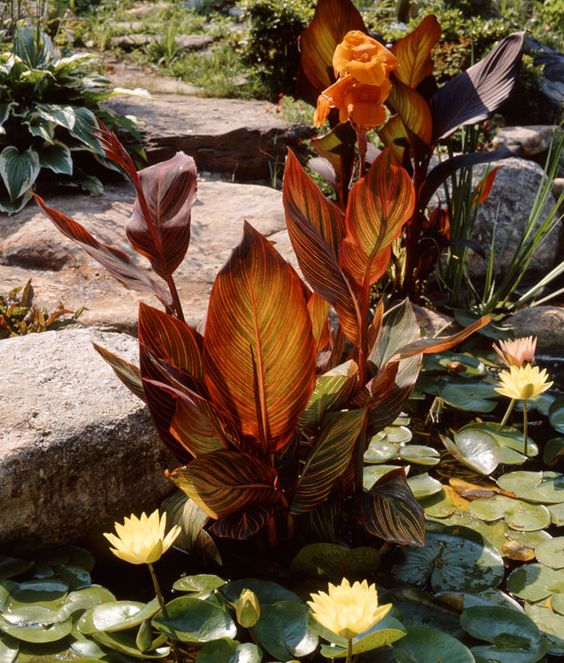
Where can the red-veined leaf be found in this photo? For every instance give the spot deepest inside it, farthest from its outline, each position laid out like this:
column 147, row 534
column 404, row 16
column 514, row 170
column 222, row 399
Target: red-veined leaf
column 116, row 152
column 159, row 227
column 315, row 257
column 259, row 351
column 225, row 482
column 484, row 188
column 331, row 22
column 390, row 511
column 194, row 423
column 338, row 147
column 329, row 458
column 380, row 386
column 243, row 524
column 432, row 345
column 399, row 328
column 127, row 372
column 413, row 52
column 413, row 110
column 118, row 263
column 318, row 312
column 332, row 390
column 379, row 204
column 395, row 136
column 475, row 94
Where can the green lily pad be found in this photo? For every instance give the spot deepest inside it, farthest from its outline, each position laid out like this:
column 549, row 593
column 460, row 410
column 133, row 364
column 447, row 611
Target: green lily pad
column 415, row 607
column 266, row 591
column 514, row 637
column 202, row 583
column 36, row 632
column 380, row 451
column 125, row 642
column 553, row 451
column 8, row 648
column 469, row 396
column 487, row 597
column 386, row 632
column 423, row 644
column 510, row 441
column 475, row 449
column 494, row 533
column 284, row 631
column 455, row 558
column 551, row 553
column 191, row 620
column 549, row 623
column 116, row 616
column 556, row 514
column 537, row 487
column 419, row 454
column 423, row 485
column 531, row 539
column 11, row 566
column 534, row 582
column 29, row 615
column 517, row 514
column 331, row 561
column 229, row 651
column 556, row 415
column 372, row 473
column 83, row 599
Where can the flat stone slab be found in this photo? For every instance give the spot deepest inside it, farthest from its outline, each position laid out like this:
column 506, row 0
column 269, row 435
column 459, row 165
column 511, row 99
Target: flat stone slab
column 128, row 74
column 77, row 450
column 31, row 247
column 245, row 140
column 184, row 42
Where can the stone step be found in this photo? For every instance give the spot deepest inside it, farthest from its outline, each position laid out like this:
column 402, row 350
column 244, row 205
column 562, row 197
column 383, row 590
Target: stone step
column 77, row 450
column 31, row 247
column 244, row 140
column 131, row 42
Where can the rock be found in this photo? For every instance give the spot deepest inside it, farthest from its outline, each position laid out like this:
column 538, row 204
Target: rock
column 551, row 84
column 183, row 42
column 508, row 206
column 132, row 75
column 244, row 139
column 544, row 322
column 28, row 239
column 143, row 10
column 529, row 141
column 78, row 450
column 127, row 26
column 557, row 187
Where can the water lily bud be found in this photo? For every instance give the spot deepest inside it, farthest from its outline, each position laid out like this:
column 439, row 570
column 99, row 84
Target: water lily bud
column 247, row 609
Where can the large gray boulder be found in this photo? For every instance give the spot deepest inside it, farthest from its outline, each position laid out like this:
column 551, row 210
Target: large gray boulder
column 544, row 322
column 77, row 450
column 31, row 247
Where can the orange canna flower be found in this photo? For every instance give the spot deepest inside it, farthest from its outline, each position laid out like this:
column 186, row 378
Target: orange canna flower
column 361, row 104
column 365, row 59
column 518, row 351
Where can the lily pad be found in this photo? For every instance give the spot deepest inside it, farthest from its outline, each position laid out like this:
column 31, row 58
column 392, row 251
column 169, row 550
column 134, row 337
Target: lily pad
column 419, row 454
column 8, row 648
column 517, row 514
column 380, row 451
column 557, row 514
column 551, row 624
column 423, row 644
column 475, row 449
column 386, row 632
column 116, row 616
column 551, row 553
column 455, row 558
column 534, row 582
column 191, row 620
column 537, row 487
column 556, row 415
column 372, row 473
column 415, row 607
column 266, row 591
column 12, row 566
column 514, row 637
column 229, row 651
column 202, row 583
column 553, row 451
column 284, row 631
column 487, row 597
column 36, row 632
column 423, row 485
column 469, row 396
column 510, row 441
column 125, row 642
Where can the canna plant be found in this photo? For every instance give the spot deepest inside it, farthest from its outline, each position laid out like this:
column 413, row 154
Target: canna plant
column 421, row 115
column 271, row 408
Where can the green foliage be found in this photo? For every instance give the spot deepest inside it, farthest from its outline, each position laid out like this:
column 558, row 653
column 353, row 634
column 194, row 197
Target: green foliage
column 48, row 119
column 271, row 47
column 20, row 316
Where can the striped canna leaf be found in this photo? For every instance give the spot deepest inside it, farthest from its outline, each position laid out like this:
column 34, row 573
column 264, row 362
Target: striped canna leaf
column 413, row 52
column 390, row 511
column 328, row 460
column 259, row 350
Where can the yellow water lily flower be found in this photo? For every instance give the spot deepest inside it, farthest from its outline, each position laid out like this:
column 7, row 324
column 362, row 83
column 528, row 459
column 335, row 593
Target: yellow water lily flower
column 523, row 383
column 348, row 611
column 142, row 540
column 517, row 351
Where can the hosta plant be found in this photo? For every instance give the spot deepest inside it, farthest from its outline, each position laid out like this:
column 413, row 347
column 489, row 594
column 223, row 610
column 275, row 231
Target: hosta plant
column 48, row 110
column 342, row 68
column 271, row 408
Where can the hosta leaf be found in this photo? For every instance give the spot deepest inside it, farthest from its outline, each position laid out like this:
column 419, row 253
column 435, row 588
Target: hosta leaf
column 118, row 263
column 478, row 92
column 390, row 511
column 308, row 220
column 18, row 170
column 413, row 52
column 331, row 22
column 56, row 157
column 224, row 482
column 379, row 204
column 328, row 459
column 84, row 129
column 62, row 116
column 259, row 351
column 159, row 227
